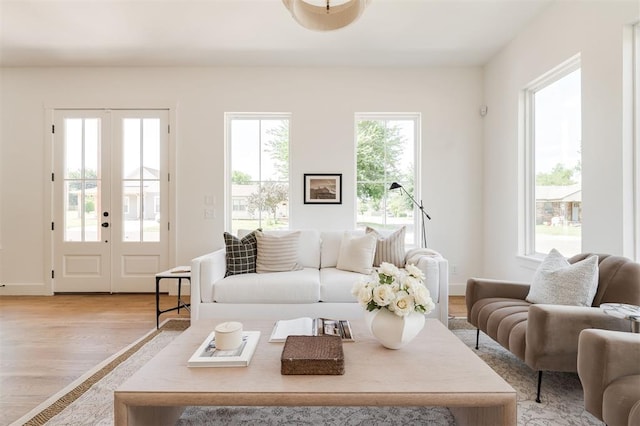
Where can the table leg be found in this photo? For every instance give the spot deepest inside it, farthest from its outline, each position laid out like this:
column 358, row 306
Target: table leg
column 179, row 289
column 157, row 302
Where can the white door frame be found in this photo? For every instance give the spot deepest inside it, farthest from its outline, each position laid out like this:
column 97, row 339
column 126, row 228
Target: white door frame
column 49, row 109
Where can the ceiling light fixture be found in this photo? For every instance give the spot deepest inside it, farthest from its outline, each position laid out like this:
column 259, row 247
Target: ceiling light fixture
column 325, row 15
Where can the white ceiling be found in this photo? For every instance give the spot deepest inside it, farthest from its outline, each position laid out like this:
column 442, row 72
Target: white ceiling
column 254, row 33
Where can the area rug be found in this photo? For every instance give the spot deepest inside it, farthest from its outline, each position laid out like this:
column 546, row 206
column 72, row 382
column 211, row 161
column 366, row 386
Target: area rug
column 89, row 401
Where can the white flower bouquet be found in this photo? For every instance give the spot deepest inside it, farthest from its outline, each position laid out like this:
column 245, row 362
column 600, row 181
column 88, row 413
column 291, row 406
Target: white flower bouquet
column 401, row 291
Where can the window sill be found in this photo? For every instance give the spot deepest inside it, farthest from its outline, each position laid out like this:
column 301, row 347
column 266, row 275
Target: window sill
column 530, row 262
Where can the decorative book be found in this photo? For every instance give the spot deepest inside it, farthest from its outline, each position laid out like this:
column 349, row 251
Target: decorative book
column 312, row 355
column 207, row 355
column 311, row 327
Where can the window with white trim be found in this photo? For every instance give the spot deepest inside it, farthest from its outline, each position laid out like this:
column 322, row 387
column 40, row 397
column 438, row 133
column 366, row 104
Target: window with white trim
column 636, row 126
column 257, row 171
column 553, row 162
column 387, row 151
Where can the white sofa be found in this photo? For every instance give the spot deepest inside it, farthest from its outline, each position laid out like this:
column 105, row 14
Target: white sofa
column 317, row 290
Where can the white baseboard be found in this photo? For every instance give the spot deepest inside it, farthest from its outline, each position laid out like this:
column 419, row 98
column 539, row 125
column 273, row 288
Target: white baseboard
column 25, row 289
column 457, row 289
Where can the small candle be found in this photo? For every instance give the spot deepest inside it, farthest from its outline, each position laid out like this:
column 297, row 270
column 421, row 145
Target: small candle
column 228, row 335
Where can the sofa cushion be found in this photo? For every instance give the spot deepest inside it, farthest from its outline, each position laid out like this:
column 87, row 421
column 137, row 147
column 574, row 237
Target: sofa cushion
column 336, row 285
column 308, row 248
column 277, row 253
column 330, row 248
column 356, row 253
column 240, row 253
column 559, row 282
column 390, row 247
column 302, row 286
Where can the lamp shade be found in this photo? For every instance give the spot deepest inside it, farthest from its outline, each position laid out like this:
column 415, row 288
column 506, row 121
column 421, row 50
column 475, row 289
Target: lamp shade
column 325, row 18
column 395, row 185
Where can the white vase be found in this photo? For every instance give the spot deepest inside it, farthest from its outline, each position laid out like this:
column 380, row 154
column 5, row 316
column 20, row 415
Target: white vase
column 391, row 330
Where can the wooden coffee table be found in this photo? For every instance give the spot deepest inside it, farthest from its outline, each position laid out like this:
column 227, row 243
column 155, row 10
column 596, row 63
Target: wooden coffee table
column 435, row 369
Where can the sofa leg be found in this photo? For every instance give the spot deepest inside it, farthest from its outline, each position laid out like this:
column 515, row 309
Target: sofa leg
column 539, row 386
column 477, row 337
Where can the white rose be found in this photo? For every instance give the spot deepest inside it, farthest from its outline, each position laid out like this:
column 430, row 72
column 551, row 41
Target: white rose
column 421, row 295
column 383, row 295
column 365, row 295
column 429, row 306
column 388, row 269
column 410, row 282
column 403, row 304
column 414, row 271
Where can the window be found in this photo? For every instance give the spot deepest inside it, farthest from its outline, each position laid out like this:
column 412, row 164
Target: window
column 553, row 201
column 636, row 126
column 258, row 171
column 387, row 152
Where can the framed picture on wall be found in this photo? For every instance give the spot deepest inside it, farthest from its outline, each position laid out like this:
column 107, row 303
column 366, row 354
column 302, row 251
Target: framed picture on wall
column 323, row 188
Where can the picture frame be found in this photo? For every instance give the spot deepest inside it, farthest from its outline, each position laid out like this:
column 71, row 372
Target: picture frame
column 323, row 188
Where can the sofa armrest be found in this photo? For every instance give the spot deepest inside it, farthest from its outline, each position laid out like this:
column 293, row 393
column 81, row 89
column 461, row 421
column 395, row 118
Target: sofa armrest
column 483, row 288
column 205, row 270
column 436, row 272
column 604, row 356
column 553, row 331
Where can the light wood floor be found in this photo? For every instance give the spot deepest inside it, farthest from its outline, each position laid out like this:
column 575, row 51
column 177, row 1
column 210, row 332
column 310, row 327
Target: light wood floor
column 47, row 342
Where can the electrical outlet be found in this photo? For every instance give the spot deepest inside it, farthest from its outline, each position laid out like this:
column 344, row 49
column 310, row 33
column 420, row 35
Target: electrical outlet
column 454, row 269
column 209, row 213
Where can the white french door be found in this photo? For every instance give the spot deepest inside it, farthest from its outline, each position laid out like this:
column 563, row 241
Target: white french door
column 110, row 199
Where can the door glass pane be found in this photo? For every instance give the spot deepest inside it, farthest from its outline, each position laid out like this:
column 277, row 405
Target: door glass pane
column 73, row 148
column 151, row 143
column 91, row 209
column 131, row 211
column 131, row 148
column 141, row 180
column 82, row 198
column 150, row 224
column 91, row 155
column 73, row 210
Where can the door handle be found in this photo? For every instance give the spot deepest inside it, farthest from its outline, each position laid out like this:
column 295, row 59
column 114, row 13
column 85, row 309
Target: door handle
column 105, row 224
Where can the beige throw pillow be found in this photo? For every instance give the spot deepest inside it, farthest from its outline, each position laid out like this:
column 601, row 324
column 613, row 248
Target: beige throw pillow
column 277, row 253
column 356, row 253
column 559, row 282
column 389, row 249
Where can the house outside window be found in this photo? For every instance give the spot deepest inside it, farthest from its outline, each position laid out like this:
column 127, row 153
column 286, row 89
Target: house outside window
column 553, row 162
column 257, row 171
column 387, row 148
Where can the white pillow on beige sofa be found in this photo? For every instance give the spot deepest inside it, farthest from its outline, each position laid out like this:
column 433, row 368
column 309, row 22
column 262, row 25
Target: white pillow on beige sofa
column 559, row 282
column 356, row 253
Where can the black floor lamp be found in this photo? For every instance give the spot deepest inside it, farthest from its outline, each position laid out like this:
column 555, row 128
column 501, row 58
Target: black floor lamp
column 396, row 185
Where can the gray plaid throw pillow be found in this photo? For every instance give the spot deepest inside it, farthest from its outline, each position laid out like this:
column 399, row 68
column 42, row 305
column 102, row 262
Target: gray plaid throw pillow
column 241, row 253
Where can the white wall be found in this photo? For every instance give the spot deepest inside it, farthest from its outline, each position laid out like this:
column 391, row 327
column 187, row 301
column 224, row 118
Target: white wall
column 322, row 102
column 595, row 30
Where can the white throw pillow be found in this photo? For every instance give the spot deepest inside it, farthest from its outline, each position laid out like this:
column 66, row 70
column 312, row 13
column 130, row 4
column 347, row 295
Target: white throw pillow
column 356, row 253
column 389, row 248
column 277, row 253
column 559, row 282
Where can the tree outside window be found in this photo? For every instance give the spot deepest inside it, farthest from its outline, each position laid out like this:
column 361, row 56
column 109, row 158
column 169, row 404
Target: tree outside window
column 554, row 151
column 386, row 147
column 259, row 147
